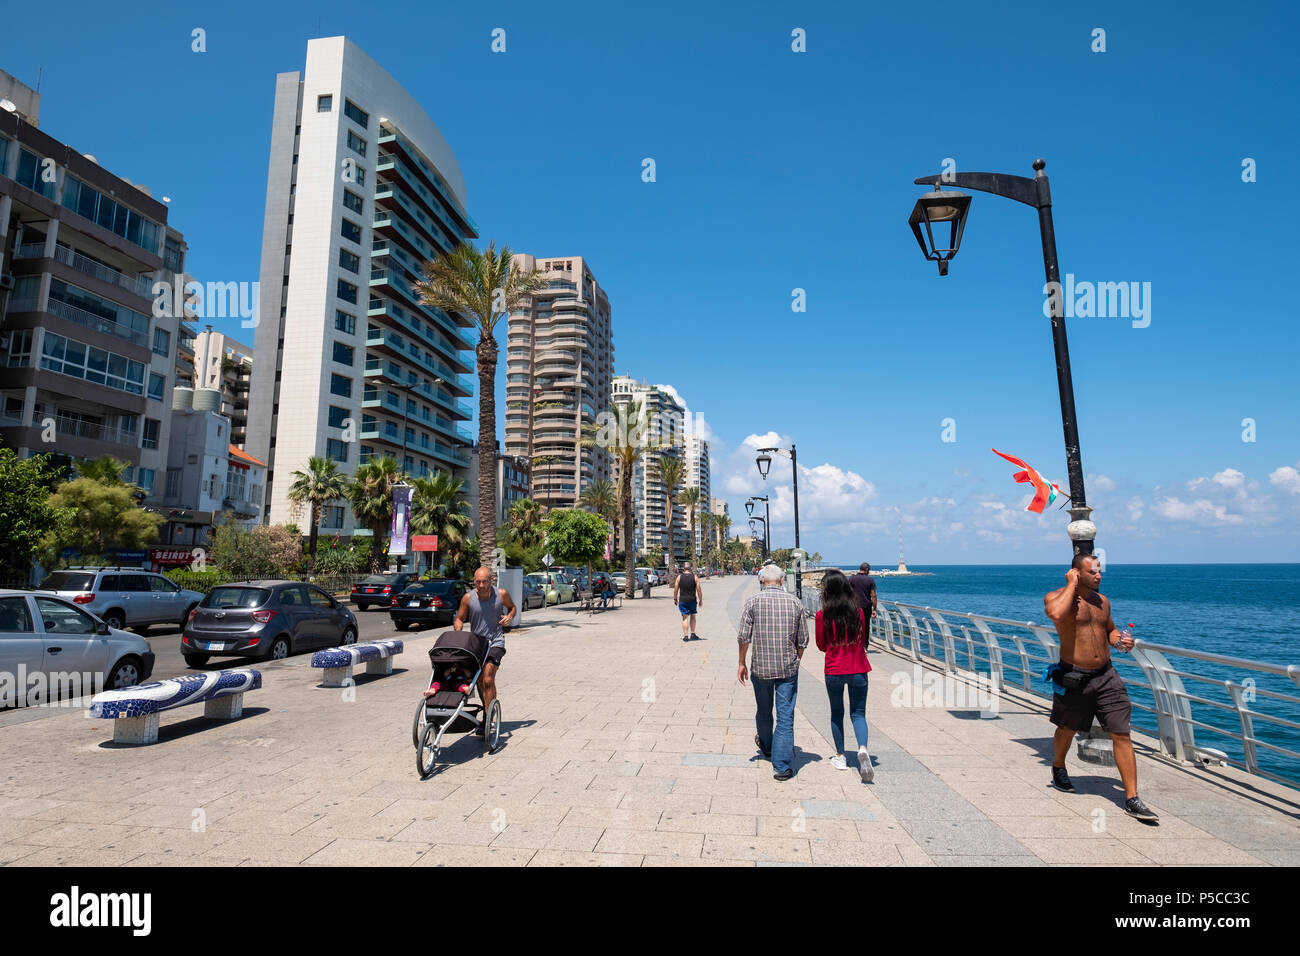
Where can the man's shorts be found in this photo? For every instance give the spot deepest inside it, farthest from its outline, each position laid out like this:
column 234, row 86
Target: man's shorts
column 1104, row 696
column 686, row 607
column 495, row 654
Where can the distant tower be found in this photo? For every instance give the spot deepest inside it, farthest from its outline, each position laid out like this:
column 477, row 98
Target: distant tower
column 902, row 565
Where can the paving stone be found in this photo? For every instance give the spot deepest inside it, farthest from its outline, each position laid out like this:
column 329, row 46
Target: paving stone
column 349, row 852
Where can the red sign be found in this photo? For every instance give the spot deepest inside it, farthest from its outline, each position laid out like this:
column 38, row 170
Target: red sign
column 424, row 542
column 158, row 556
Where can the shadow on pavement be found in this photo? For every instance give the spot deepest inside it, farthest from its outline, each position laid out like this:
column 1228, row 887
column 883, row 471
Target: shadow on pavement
column 185, row 728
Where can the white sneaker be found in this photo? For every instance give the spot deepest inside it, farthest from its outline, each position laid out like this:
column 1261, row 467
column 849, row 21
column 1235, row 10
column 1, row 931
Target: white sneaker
column 839, row 763
column 864, row 765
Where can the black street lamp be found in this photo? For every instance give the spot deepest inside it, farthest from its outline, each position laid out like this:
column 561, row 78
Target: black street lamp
column 767, row 520
column 764, row 462
column 952, row 207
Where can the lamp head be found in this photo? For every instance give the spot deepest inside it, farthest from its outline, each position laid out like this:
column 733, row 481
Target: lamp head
column 749, row 507
column 764, row 461
column 936, row 208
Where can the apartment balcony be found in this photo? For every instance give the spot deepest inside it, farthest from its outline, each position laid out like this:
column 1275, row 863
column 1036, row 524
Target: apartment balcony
column 414, row 321
column 376, row 368
column 397, row 144
column 83, row 318
column 419, row 189
column 378, row 377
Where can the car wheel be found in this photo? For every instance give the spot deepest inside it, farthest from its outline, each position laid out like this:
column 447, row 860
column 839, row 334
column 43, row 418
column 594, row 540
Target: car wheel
column 126, row 673
column 350, row 636
column 195, row 660
column 279, row 649
column 115, row 618
column 186, row 619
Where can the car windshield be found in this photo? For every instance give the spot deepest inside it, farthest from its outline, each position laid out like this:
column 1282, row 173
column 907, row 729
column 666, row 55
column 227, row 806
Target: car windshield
column 69, row 581
column 234, row 597
column 429, row 587
column 379, row 579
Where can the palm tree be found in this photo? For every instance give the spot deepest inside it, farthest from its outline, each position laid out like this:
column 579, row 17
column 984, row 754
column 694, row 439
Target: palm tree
column 669, row 470
column 723, row 526
column 602, row 498
column 706, row 537
column 690, row 498
column 371, row 495
column 482, row 286
column 525, row 521
column 437, row 508
column 623, row 434
column 320, row 484
column 107, row 470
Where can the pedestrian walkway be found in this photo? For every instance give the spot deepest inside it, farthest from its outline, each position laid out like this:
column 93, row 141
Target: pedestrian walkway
column 623, row 746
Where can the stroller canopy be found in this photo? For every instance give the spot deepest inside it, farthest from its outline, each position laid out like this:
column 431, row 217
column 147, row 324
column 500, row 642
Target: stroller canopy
column 459, row 646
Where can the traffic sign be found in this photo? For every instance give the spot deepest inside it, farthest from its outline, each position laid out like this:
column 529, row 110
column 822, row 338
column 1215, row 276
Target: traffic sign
column 547, row 559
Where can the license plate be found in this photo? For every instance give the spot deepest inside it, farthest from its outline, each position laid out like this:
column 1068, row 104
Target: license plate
column 370, row 590
column 216, row 646
column 413, row 604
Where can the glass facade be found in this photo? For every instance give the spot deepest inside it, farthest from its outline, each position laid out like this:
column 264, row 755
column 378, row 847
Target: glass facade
column 87, row 201
column 70, row 357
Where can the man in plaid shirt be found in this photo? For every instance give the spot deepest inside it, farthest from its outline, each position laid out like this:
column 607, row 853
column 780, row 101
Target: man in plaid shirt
column 775, row 623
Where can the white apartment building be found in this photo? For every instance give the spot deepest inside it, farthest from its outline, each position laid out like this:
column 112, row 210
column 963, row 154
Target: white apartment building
column 559, row 364
column 697, row 476
column 665, row 424
column 226, row 365
column 362, row 189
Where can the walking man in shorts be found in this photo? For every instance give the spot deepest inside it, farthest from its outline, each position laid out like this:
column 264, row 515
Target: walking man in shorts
column 687, row 595
column 488, row 610
column 1091, row 685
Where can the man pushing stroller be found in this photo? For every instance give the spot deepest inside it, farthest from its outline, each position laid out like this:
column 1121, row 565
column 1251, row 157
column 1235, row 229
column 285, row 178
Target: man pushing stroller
column 489, row 611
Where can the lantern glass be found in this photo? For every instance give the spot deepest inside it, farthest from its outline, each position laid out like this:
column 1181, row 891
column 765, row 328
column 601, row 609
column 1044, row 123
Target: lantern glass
column 764, row 464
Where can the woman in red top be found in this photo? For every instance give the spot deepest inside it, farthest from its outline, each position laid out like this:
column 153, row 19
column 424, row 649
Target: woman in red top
column 842, row 634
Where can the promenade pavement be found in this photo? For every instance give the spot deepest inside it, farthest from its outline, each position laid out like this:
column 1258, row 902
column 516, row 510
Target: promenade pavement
column 622, row 746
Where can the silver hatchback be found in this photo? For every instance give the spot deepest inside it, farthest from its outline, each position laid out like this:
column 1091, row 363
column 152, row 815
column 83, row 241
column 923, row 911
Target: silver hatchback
column 124, row 597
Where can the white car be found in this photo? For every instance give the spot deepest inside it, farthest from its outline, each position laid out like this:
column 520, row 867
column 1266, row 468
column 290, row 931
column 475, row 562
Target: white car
column 50, row 648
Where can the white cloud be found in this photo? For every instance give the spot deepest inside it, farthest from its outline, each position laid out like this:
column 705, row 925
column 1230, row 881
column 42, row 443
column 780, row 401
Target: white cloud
column 1175, row 509
column 1100, row 483
column 1134, row 508
column 1286, row 479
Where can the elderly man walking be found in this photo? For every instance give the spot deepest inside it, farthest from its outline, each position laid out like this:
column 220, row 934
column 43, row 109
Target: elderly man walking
column 775, row 623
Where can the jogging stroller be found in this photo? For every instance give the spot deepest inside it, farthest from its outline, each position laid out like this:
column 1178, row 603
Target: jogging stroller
column 457, row 659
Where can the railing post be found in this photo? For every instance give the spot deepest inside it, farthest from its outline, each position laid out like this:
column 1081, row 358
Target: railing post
column 1173, row 710
column 1247, row 725
column 995, row 655
column 949, row 655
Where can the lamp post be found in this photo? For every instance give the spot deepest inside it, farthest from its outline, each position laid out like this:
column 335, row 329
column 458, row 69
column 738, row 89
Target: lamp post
column 953, row 207
column 767, row 520
column 764, row 462
column 753, row 530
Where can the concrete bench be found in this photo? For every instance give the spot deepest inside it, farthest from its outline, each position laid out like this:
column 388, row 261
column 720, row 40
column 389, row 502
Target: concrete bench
column 134, row 710
column 338, row 662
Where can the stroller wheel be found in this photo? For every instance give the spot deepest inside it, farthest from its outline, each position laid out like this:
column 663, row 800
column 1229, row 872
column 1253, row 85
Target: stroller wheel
column 492, row 735
column 421, row 721
column 426, row 755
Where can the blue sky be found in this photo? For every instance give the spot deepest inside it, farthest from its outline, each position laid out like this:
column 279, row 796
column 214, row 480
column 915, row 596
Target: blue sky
column 779, row 170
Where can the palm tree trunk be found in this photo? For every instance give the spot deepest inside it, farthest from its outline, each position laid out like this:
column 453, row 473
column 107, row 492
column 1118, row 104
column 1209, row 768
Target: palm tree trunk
column 315, row 522
column 695, row 560
column 486, row 353
column 629, row 555
column 672, row 558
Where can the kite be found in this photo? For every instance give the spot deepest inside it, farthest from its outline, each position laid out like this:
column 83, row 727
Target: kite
column 1045, row 492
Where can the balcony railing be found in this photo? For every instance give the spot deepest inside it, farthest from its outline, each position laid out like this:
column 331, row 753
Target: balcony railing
column 140, row 286
column 96, row 322
column 75, row 427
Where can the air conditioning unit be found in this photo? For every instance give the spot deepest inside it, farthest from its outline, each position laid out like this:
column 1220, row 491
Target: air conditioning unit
column 7, row 282
column 4, row 340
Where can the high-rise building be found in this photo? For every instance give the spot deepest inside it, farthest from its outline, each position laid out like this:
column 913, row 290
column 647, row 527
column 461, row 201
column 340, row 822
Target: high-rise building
column 719, row 508
column 362, row 189
column 559, row 364
column 697, row 476
column 86, row 367
column 227, row 366
column 663, row 417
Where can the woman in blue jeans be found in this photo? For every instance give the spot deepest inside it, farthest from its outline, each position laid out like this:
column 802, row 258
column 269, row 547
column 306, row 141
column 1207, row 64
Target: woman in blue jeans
column 842, row 635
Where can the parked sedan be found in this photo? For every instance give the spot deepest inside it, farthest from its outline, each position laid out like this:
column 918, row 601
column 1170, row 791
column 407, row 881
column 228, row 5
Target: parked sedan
column 266, row 619
column 534, row 595
column 554, row 585
column 51, row 648
column 431, row 603
column 378, row 590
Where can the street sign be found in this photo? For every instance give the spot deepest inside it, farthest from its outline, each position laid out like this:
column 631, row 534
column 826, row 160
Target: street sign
column 424, row 542
column 547, row 559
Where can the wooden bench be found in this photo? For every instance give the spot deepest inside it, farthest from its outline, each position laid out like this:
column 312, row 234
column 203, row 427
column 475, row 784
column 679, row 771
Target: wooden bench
column 338, row 662
column 134, row 710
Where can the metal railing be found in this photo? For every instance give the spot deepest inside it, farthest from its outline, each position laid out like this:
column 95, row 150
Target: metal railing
column 1015, row 653
column 92, row 321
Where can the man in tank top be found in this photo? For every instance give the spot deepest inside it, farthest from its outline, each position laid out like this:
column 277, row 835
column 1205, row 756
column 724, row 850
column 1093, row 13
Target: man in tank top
column 687, row 595
column 488, row 610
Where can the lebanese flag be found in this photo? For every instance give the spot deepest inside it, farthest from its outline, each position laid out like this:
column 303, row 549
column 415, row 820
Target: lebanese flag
column 1045, row 492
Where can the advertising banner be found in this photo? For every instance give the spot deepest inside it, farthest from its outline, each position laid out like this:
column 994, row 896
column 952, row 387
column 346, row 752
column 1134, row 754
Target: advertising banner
column 401, row 520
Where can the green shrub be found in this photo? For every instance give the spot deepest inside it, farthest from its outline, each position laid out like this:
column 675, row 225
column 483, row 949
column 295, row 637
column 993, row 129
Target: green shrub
column 203, row 581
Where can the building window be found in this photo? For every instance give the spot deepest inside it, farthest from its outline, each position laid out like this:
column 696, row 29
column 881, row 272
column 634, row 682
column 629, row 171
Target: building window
column 356, row 143
column 113, row 216
column 150, row 438
column 145, row 480
column 162, row 342
column 356, row 114
column 347, row 291
column 340, row 385
column 349, row 261
column 325, row 103
column 337, row 416
column 78, row 360
column 31, row 173
column 345, row 323
column 173, row 256
column 350, row 231
column 157, row 384
column 353, row 201
column 344, row 354
column 335, row 449
column 173, row 483
column 20, row 349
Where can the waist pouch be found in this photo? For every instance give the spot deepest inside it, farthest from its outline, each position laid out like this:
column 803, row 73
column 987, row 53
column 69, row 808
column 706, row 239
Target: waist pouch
column 1073, row 680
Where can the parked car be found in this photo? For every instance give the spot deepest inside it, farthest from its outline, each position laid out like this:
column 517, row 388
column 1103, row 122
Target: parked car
column 642, row 576
column 432, row 603
column 123, row 597
column 619, row 579
column 266, row 619
column 378, row 590
column 63, row 651
column 556, row 586
column 534, row 594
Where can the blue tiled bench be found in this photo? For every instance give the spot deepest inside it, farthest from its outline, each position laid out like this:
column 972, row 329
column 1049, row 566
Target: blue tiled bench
column 338, row 662
column 134, row 710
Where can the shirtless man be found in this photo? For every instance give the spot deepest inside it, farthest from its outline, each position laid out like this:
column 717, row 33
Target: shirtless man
column 1087, row 631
